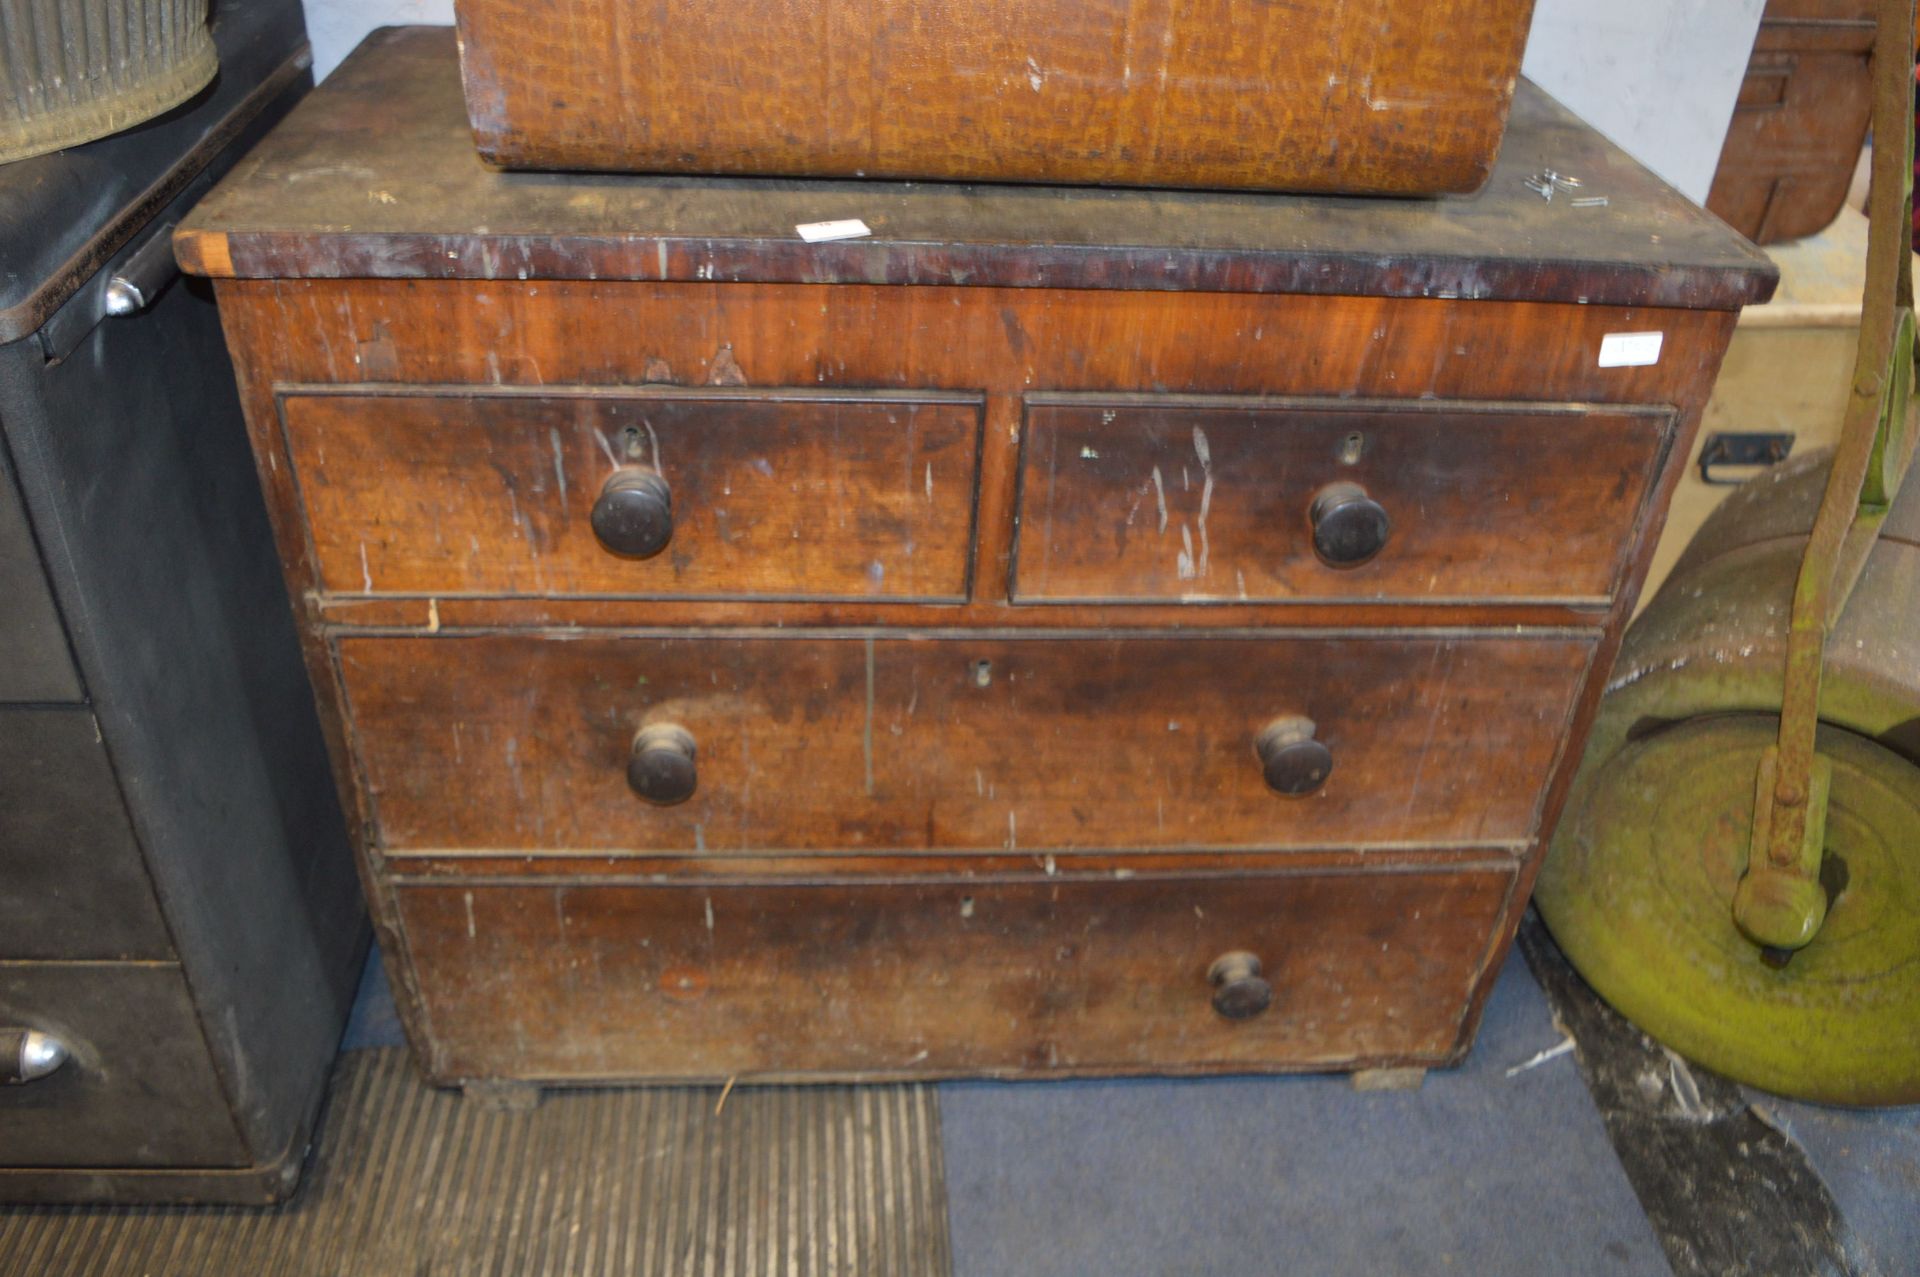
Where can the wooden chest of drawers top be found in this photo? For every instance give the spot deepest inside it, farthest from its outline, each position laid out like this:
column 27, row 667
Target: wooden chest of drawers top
column 377, row 177
column 1055, row 590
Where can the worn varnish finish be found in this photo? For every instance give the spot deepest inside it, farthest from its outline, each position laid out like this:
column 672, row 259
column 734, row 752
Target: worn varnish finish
column 406, row 387
column 1035, row 974
column 785, row 496
column 1375, row 96
column 1158, row 498
column 389, row 186
column 1799, row 122
column 962, row 741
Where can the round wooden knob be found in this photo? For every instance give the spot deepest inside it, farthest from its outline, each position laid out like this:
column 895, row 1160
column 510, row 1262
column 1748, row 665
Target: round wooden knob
column 661, row 767
column 1239, row 992
column 1349, row 527
column 634, row 515
column 1294, row 762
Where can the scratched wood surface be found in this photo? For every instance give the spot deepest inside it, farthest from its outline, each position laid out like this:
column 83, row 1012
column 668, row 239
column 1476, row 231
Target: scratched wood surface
column 542, row 337
column 375, row 176
column 1799, row 121
column 775, row 496
column 1369, row 96
column 476, row 287
column 968, row 742
column 1165, row 499
column 1000, row 345
column 1012, row 977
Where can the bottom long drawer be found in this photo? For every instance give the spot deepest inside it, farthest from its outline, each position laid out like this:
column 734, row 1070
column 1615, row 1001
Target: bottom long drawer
column 560, row 981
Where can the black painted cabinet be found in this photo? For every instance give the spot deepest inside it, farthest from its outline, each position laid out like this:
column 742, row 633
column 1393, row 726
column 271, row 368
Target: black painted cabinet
column 180, row 929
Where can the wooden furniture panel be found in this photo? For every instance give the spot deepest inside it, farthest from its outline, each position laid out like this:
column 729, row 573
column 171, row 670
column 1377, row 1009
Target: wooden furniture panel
column 459, row 491
column 379, row 334
column 998, row 977
column 1140, row 500
column 1799, row 121
column 958, row 742
column 378, row 181
column 1384, row 96
column 960, row 339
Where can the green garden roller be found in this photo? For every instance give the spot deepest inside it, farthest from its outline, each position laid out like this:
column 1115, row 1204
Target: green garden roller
column 1738, row 867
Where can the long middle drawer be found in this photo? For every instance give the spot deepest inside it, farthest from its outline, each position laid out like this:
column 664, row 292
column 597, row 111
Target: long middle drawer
column 958, row 741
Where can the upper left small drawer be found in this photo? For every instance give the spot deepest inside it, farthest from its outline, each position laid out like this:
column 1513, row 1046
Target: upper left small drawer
column 710, row 494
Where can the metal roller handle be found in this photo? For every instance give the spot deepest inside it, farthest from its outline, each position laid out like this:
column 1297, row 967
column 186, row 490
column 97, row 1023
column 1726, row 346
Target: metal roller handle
column 142, row 277
column 27, row 1055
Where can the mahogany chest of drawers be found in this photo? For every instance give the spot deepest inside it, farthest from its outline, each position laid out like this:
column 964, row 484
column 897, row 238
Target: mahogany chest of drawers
column 1062, row 632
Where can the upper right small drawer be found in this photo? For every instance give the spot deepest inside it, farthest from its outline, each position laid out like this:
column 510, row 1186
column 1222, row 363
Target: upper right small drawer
column 1130, row 500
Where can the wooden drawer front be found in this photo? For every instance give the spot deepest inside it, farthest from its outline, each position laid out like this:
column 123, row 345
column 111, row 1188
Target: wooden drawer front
column 826, row 744
column 1136, row 502
column 773, row 496
column 1044, row 976
column 140, row 1088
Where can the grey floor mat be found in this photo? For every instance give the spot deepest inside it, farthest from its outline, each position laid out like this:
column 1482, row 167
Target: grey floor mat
column 419, row 1182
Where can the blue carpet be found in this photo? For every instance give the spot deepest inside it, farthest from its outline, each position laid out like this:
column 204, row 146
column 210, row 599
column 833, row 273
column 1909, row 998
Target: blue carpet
column 1870, row 1162
column 374, row 1021
column 1475, row 1173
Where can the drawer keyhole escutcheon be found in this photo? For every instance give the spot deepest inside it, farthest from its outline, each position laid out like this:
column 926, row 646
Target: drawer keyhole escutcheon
column 1294, row 762
column 1239, row 990
column 661, row 767
column 634, row 514
column 1349, row 527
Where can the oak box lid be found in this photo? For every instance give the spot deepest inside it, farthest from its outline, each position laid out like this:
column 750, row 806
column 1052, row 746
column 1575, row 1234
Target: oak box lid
column 375, row 175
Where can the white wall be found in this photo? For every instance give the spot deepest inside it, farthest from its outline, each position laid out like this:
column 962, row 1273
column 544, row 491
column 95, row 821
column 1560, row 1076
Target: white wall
column 1657, row 76
column 335, row 26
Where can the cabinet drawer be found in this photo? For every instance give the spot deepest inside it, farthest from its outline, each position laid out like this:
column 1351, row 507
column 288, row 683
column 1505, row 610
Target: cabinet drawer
column 1034, row 976
column 34, row 662
column 1198, row 501
column 764, row 495
column 139, row 1088
column 72, row 881
column 955, row 741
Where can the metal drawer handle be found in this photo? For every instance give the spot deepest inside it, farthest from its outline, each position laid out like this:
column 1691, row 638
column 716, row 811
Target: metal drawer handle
column 143, row 276
column 1295, row 764
column 634, row 515
column 27, row 1055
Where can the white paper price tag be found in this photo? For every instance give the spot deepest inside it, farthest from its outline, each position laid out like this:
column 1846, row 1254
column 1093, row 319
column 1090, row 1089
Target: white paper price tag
column 820, row 232
column 1630, row 350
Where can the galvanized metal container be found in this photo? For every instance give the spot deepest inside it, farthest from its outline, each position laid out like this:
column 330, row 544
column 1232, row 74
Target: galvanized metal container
column 75, row 70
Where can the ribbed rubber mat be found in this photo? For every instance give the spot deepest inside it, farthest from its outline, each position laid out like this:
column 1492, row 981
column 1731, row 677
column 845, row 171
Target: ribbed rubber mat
column 411, row 1181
